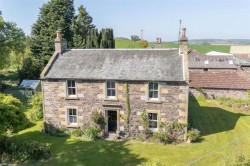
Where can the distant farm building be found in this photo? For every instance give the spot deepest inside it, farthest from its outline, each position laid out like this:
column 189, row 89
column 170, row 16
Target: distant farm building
column 220, row 75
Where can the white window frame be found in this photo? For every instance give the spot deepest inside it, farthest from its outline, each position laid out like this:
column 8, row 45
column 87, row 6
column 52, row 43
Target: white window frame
column 154, row 91
column 157, row 115
column 67, row 88
column 68, row 116
column 106, row 90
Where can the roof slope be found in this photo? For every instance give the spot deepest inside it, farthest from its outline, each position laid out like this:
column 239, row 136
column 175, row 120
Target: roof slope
column 113, row 64
column 206, row 61
column 215, row 53
column 29, row 84
column 219, row 79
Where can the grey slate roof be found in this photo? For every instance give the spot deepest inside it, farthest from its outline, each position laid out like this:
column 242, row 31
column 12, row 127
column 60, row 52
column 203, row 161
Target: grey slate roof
column 214, row 61
column 29, row 84
column 115, row 64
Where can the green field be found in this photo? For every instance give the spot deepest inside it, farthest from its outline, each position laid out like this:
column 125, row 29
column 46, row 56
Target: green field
column 123, row 43
column 218, row 125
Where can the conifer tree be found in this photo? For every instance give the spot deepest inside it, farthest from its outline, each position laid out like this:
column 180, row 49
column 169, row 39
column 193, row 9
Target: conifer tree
column 92, row 39
column 54, row 15
column 107, row 38
column 81, row 28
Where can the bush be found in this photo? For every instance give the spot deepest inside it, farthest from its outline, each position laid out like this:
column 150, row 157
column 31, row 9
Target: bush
column 98, row 119
column 193, row 135
column 77, row 133
column 37, row 107
column 161, row 137
column 23, row 152
column 92, row 132
column 54, row 131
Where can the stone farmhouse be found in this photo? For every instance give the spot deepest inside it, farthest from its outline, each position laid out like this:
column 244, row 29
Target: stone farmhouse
column 77, row 82
column 221, row 75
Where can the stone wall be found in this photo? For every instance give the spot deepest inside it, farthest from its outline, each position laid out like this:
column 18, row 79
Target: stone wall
column 217, row 93
column 172, row 106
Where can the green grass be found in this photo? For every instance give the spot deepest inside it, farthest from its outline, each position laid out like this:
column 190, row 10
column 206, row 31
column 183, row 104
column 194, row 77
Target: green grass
column 218, row 126
column 122, row 43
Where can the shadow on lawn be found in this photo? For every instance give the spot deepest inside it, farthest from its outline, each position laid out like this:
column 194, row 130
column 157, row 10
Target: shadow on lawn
column 81, row 152
column 211, row 120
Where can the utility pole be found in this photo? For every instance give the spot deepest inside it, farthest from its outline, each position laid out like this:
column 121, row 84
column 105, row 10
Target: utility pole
column 142, row 34
column 179, row 33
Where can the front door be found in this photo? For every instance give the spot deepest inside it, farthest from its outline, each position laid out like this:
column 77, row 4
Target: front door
column 112, row 121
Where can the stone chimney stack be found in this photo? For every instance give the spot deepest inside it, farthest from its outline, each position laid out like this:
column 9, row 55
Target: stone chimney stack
column 158, row 43
column 60, row 43
column 183, row 50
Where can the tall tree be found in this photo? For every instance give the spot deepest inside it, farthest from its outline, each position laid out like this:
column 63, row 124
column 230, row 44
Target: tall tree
column 54, row 15
column 81, row 28
column 92, row 39
column 107, row 38
column 12, row 40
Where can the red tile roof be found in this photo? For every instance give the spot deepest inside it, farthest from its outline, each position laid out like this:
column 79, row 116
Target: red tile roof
column 218, row 79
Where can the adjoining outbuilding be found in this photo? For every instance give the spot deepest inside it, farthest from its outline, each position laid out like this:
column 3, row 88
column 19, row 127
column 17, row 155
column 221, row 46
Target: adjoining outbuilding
column 29, row 87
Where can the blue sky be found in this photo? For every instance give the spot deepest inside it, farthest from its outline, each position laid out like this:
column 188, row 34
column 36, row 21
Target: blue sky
column 213, row 19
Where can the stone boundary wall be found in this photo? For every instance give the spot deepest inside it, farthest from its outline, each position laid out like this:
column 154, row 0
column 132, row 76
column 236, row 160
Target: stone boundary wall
column 217, row 93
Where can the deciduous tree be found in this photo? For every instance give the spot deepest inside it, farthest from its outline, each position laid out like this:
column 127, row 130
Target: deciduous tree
column 12, row 40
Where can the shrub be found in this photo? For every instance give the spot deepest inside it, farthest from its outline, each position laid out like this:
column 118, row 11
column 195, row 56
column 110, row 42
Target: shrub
column 77, row 133
column 54, row 131
column 98, row 119
column 23, row 152
column 37, row 107
column 144, row 44
column 193, row 135
column 161, row 137
column 92, row 132
column 32, row 151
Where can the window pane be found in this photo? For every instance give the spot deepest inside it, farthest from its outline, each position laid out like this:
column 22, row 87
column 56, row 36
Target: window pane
column 151, row 94
column 74, row 111
column 74, row 119
column 73, row 91
column 73, row 84
column 69, row 83
column 155, row 94
column 113, row 92
column 153, row 124
column 154, row 116
column 150, row 86
column 112, row 84
column 108, row 84
column 149, row 116
column 108, row 92
column 71, row 119
column 155, row 86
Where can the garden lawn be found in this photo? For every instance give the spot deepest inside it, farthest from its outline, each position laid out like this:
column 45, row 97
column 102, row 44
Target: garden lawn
column 218, row 125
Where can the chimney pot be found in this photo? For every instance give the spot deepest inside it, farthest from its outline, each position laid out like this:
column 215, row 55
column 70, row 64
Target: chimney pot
column 59, row 34
column 183, row 34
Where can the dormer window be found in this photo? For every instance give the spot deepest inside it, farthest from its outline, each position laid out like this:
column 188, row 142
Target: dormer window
column 153, row 90
column 110, row 89
column 71, row 88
